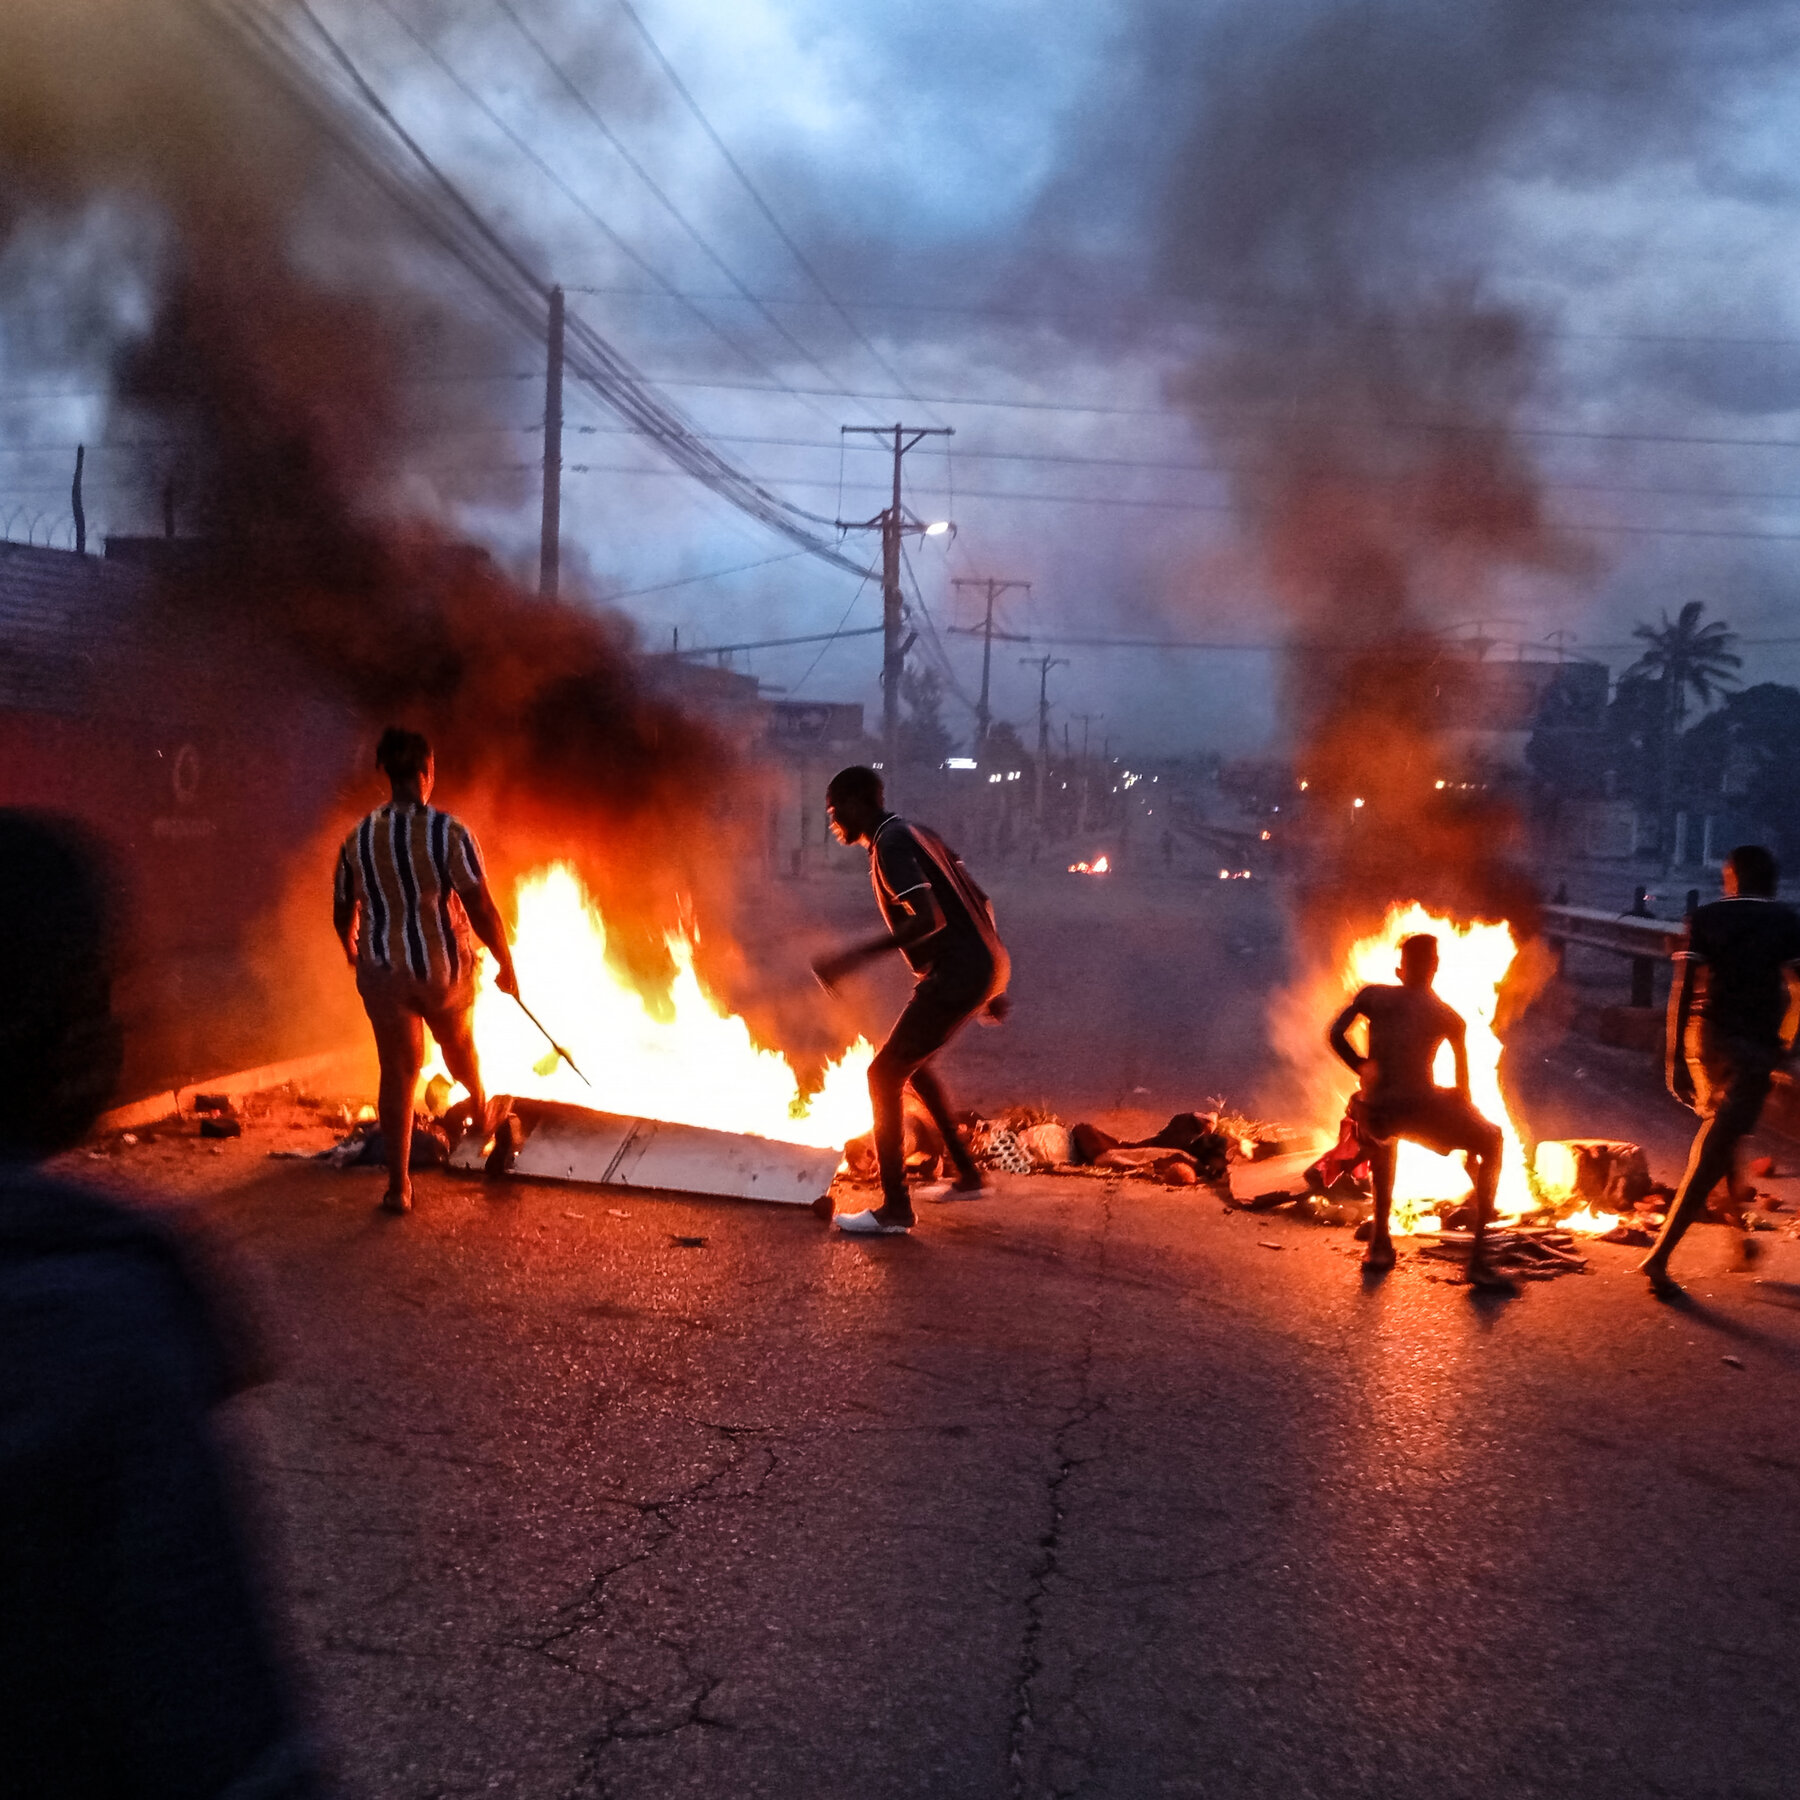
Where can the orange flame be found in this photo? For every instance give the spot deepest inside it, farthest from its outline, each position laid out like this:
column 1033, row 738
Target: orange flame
column 691, row 1063
column 1099, row 866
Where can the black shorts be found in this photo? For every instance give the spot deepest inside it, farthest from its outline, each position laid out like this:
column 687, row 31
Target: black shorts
column 1441, row 1120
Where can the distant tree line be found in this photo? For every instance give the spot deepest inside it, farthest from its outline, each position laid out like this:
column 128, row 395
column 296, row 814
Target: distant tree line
column 1738, row 759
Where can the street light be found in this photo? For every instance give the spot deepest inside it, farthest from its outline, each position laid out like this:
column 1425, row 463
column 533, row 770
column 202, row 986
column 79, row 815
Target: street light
column 937, row 527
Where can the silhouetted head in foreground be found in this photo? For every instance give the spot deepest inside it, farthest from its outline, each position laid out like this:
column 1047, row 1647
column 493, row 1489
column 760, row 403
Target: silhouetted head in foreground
column 854, row 802
column 405, row 758
column 60, row 1046
column 1751, row 873
column 1418, row 960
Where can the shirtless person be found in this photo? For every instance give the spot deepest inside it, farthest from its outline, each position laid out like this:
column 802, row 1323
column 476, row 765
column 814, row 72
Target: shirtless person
column 1399, row 1098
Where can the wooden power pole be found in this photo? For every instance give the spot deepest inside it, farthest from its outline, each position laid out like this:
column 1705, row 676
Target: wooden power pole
column 550, row 544
column 894, row 522
column 1043, row 665
column 994, row 589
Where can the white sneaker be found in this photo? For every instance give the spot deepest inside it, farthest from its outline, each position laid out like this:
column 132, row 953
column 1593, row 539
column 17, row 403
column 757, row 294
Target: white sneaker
column 940, row 1191
column 866, row 1224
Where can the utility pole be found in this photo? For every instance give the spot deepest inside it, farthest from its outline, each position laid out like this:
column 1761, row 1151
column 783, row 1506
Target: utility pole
column 550, row 544
column 1043, row 665
column 79, row 510
column 894, row 523
column 1081, row 793
column 994, row 589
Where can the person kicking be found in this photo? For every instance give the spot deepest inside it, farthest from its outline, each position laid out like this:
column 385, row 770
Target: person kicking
column 943, row 924
column 1400, row 1099
column 1731, row 1010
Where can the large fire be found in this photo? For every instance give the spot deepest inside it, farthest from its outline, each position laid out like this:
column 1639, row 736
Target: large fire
column 1473, row 961
column 690, row 1062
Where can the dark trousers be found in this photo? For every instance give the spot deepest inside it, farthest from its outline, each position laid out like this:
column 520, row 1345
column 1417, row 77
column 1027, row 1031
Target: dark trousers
column 939, row 1006
column 1731, row 1081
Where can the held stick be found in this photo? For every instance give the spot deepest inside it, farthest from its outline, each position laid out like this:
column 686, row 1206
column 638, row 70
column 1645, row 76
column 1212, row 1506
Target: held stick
column 554, row 1045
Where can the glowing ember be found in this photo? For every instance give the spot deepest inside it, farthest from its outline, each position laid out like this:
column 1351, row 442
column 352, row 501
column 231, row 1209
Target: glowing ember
column 695, row 1066
column 1472, row 962
column 1099, row 866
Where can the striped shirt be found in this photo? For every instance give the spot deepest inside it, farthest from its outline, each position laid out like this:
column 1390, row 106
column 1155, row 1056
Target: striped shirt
column 407, row 871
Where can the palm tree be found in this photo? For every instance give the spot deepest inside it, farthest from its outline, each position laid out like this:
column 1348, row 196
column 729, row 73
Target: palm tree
column 1684, row 658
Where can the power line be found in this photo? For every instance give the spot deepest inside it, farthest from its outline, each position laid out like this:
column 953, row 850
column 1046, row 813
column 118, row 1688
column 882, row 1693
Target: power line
column 29, row 396
column 537, row 162
column 1189, row 414
column 511, row 284
column 761, row 205
column 585, row 103
column 812, row 667
column 1550, row 485
column 662, row 587
column 811, row 637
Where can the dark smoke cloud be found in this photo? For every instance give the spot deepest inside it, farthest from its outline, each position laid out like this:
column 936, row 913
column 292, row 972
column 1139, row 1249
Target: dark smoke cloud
column 1335, row 201
column 283, row 302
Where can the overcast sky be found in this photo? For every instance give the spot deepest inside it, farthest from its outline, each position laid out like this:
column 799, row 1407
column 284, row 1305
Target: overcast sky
column 1033, row 220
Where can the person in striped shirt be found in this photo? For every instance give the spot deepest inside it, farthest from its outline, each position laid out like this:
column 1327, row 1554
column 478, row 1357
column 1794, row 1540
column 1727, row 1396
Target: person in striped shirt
column 411, row 899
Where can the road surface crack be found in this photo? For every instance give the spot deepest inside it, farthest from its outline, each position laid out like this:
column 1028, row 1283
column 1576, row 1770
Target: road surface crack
column 1047, row 1564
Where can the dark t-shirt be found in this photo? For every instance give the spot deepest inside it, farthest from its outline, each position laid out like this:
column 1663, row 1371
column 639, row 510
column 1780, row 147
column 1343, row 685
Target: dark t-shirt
column 1406, row 1027
column 1742, row 946
column 135, row 1652
column 907, row 861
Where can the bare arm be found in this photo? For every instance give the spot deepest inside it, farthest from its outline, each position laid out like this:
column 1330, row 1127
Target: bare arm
column 1340, row 1042
column 924, row 919
column 1790, row 1021
column 345, row 913
column 484, row 915
column 1676, row 1073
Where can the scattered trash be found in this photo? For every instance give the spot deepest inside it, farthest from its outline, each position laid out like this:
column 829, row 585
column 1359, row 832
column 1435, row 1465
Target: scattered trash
column 1047, row 1145
column 574, row 1215
column 1732, row 1362
column 1193, row 1138
column 128, row 1138
column 1264, row 1244
column 688, row 1243
column 614, row 1212
column 1603, row 1174
column 213, row 1103
column 1524, row 1252
column 215, row 1126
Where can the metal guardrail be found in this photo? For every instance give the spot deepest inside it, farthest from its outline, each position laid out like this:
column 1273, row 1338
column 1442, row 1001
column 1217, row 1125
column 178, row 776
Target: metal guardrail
column 1625, row 934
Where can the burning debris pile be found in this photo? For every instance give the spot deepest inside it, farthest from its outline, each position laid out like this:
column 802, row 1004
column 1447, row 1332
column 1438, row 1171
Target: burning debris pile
column 1194, row 1149
column 685, row 1059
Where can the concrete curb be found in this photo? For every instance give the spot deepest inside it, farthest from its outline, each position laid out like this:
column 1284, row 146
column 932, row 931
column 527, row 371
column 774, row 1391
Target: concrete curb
column 172, row 1102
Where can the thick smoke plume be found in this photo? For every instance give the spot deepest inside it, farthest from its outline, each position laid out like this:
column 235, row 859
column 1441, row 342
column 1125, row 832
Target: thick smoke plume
column 1329, row 209
column 1334, row 209
column 283, row 303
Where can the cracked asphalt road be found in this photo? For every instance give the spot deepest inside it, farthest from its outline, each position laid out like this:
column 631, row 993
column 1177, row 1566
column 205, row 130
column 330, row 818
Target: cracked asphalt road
column 1080, row 1491
column 1076, row 1492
